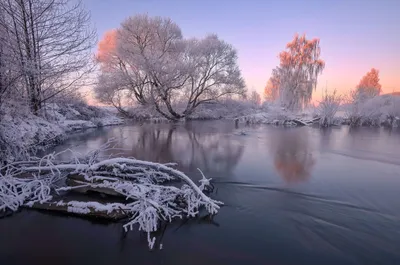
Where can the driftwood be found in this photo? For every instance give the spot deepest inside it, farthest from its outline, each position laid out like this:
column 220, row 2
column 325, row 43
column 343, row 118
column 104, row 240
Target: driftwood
column 299, row 122
column 86, row 210
column 82, row 186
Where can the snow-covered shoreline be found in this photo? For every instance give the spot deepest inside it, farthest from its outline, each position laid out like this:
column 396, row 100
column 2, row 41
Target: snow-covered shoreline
column 382, row 110
column 21, row 134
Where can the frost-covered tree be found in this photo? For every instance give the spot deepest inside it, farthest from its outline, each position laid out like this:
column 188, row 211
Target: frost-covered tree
column 255, row 98
column 298, row 71
column 271, row 90
column 148, row 57
column 9, row 75
column 369, row 85
column 50, row 42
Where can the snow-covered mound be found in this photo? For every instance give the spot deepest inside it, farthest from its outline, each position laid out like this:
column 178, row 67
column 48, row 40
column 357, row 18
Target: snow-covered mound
column 22, row 132
column 276, row 115
column 77, row 117
column 227, row 109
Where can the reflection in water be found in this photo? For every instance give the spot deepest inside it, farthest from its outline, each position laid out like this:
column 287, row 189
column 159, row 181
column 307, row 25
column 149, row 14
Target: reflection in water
column 188, row 146
column 293, row 159
column 192, row 146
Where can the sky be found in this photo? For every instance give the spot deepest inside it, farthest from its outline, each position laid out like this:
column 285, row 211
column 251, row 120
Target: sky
column 355, row 35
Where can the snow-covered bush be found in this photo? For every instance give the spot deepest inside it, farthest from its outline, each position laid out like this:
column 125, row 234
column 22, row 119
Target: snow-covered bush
column 21, row 136
column 327, row 108
column 80, row 116
column 393, row 111
column 222, row 109
column 22, row 133
column 274, row 113
column 80, row 111
column 227, row 109
column 375, row 111
column 143, row 112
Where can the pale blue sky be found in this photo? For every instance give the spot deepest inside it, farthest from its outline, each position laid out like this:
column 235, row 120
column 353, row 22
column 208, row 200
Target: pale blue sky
column 356, row 35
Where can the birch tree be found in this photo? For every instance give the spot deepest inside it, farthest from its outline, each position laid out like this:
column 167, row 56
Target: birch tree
column 51, row 41
column 300, row 66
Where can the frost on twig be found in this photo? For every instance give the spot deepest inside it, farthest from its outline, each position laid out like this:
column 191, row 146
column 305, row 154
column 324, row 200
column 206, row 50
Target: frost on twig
column 149, row 201
column 14, row 192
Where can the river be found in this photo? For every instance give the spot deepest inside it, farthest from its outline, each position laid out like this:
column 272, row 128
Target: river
column 292, row 196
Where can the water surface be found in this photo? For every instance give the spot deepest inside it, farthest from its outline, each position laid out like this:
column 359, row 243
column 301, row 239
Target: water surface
column 292, row 196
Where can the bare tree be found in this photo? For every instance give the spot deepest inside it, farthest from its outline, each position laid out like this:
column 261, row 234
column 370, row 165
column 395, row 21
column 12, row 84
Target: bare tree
column 255, row 98
column 9, row 75
column 126, row 77
column 214, row 72
column 51, row 41
column 298, row 71
column 150, row 58
column 110, row 91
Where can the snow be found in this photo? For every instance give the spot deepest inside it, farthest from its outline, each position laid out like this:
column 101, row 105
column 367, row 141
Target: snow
column 17, row 134
column 381, row 110
column 87, row 207
column 75, row 117
column 149, row 200
column 376, row 111
column 24, row 133
column 15, row 191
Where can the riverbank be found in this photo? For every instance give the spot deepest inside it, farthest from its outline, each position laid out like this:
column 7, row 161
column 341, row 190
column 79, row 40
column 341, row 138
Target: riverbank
column 381, row 110
column 22, row 133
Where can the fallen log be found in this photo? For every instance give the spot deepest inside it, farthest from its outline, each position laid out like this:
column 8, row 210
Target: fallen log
column 300, row 122
column 110, row 211
column 82, row 186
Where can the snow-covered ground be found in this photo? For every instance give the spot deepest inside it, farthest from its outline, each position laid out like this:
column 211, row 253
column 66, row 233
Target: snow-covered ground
column 226, row 109
column 382, row 110
column 23, row 132
column 78, row 117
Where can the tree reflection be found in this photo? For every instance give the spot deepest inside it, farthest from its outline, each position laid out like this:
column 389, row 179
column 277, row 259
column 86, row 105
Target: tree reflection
column 204, row 145
column 293, row 159
column 189, row 146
